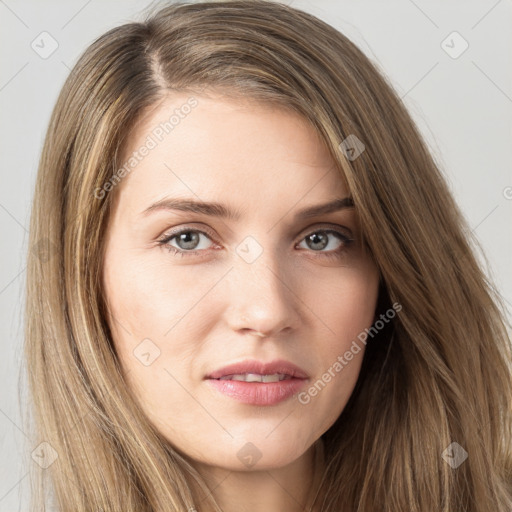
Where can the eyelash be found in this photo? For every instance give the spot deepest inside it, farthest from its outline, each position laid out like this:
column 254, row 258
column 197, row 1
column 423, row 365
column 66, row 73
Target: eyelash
column 332, row 254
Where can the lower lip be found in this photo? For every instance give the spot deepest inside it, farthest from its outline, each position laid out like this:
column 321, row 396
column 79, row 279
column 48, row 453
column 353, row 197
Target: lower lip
column 258, row 393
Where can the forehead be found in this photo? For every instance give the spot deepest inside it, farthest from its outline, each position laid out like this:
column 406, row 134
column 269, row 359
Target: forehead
column 235, row 148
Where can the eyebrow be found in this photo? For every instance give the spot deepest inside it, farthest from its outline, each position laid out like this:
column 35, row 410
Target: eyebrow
column 219, row 210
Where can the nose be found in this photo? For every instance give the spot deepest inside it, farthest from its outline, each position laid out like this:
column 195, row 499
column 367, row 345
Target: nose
column 262, row 297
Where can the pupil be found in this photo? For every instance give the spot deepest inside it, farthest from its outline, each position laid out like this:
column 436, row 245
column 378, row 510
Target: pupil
column 317, row 239
column 190, row 240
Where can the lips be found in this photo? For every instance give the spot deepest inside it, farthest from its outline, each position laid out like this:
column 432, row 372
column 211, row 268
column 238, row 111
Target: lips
column 258, row 383
column 280, row 366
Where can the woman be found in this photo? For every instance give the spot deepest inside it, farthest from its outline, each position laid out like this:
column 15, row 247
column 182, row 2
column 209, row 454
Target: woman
column 258, row 292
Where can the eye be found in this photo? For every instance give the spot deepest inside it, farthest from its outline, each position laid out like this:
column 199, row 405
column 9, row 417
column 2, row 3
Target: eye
column 330, row 239
column 187, row 241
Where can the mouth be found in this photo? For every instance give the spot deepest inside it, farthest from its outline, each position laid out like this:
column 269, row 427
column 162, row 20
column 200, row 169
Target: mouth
column 258, row 383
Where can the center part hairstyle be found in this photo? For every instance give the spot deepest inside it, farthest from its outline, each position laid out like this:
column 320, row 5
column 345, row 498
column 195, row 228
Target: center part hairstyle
column 438, row 373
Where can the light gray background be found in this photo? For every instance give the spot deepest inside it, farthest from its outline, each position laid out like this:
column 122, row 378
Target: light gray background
column 462, row 105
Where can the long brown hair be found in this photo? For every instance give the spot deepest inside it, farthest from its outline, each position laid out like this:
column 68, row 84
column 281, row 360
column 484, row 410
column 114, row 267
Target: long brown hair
column 439, row 373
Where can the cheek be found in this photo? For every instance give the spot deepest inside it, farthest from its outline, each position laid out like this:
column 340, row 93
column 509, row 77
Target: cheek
column 346, row 303
column 346, row 306
column 158, row 318
column 150, row 296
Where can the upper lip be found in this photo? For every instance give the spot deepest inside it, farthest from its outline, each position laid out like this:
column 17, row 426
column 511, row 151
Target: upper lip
column 260, row 368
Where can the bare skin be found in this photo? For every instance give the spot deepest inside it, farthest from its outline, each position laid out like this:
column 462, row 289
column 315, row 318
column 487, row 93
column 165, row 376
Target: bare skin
column 199, row 311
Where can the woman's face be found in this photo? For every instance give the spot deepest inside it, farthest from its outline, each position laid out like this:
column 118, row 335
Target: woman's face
column 186, row 306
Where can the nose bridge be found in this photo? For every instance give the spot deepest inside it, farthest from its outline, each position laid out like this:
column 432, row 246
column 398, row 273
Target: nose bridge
column 259, row 269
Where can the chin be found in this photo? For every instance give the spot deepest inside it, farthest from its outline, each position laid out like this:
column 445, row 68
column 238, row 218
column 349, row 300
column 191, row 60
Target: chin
column 253, row 452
